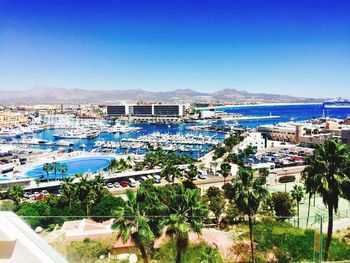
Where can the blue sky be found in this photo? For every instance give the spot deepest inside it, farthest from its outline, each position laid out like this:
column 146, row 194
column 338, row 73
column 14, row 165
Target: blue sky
column 288, row 47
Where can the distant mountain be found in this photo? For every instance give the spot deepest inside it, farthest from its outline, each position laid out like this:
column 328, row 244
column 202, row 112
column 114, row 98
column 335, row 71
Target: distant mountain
column 50, row 95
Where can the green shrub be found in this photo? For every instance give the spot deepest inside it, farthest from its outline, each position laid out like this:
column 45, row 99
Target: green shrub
column 7, row 205
column 88, row 250
column 194, row 254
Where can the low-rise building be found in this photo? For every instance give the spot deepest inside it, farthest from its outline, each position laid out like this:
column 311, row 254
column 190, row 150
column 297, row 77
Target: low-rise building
column 9, row 119
column 282, row 132
column 255, row 140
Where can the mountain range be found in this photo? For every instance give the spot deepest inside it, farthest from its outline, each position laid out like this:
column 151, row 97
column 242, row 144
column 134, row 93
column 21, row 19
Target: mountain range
column 52, row 95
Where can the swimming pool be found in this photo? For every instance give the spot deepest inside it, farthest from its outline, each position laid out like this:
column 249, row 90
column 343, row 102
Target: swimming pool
column 75, row 166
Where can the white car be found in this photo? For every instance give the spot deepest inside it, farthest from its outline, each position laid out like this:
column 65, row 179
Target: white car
column 45, row 192
column 132, row 182
column 109, row 185
column 116, row 185
column 144, row 178
column 150, row 177
column 157, row 178
column 202, row 174
column 28, row 195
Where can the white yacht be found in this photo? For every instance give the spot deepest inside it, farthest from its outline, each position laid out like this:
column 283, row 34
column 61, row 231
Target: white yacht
column 119, row 128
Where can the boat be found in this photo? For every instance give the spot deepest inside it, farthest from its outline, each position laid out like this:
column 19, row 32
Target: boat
column 64, row 143
column 338, row 103
column 33, row 141
column 10, row 134
column 72, row 134
column 119, row 128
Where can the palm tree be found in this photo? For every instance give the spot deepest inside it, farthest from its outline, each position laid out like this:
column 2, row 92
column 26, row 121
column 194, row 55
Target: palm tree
column 192, row 172
column 309, row 176
column 187, row 212
column 68, row 190
column 47, row 167
column 331, row 179
column 225, row 170
column 85, row 192
column 297, row 194
column 131, row 222
column 171, row 172
column 113, row 165
column 97, row 185
column 16, row 193
column 209, row 255
column 122, row 164
column 264, row 172
column 249, row 192
column 55, row 167
column 63, row 168
column 37, row 182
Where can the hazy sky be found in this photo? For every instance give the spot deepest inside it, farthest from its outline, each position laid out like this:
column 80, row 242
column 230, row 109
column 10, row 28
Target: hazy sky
column 288, row 47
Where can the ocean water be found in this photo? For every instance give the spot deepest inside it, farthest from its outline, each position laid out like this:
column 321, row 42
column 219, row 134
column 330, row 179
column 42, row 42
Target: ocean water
column 286, row 113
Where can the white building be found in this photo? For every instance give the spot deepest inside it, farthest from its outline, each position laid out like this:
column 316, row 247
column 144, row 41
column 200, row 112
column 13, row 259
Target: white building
column 253, row 139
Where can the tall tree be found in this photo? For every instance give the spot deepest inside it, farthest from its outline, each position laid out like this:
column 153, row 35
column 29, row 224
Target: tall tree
column 86, row 192
column 55, row 167
column 63, row 168
column 309, row 176
column 192, row 172
column 225, row 170
column 171, row 172
column 186, row 213
column 16, row 193
column 68, row 190
column 331, row 161
column 298, row 194
column 47, row 168
column 249, row 193
column 131, row 222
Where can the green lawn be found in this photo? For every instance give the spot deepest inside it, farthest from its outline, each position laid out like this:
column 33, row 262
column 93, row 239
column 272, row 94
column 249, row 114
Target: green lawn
column 317, row 206
column 296, row 243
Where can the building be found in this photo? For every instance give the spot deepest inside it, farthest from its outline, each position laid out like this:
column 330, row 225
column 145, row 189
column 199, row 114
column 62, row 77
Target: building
column 155, row 110
column 255, row 140
column 204, row 114
column 9, row 119
column 282, row 132
column 19, row 243
column 313, row 139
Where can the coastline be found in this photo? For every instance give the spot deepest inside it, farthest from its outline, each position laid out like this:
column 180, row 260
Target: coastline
column 259, row 105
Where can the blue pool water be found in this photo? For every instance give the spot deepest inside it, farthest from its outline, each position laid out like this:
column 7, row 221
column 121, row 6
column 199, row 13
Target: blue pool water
column 75, row 166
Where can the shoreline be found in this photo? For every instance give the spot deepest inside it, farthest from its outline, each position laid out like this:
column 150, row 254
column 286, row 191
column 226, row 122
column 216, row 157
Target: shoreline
column 258, row 105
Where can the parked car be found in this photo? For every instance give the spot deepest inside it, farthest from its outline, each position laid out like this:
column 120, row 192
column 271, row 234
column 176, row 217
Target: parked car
column 28, row 195
column 45, row 192
column 132, row 182
column 124, row 183
column 144, row 178
column 116, row 185
column 109, row 185
column 150, row 177
column 157, row 178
